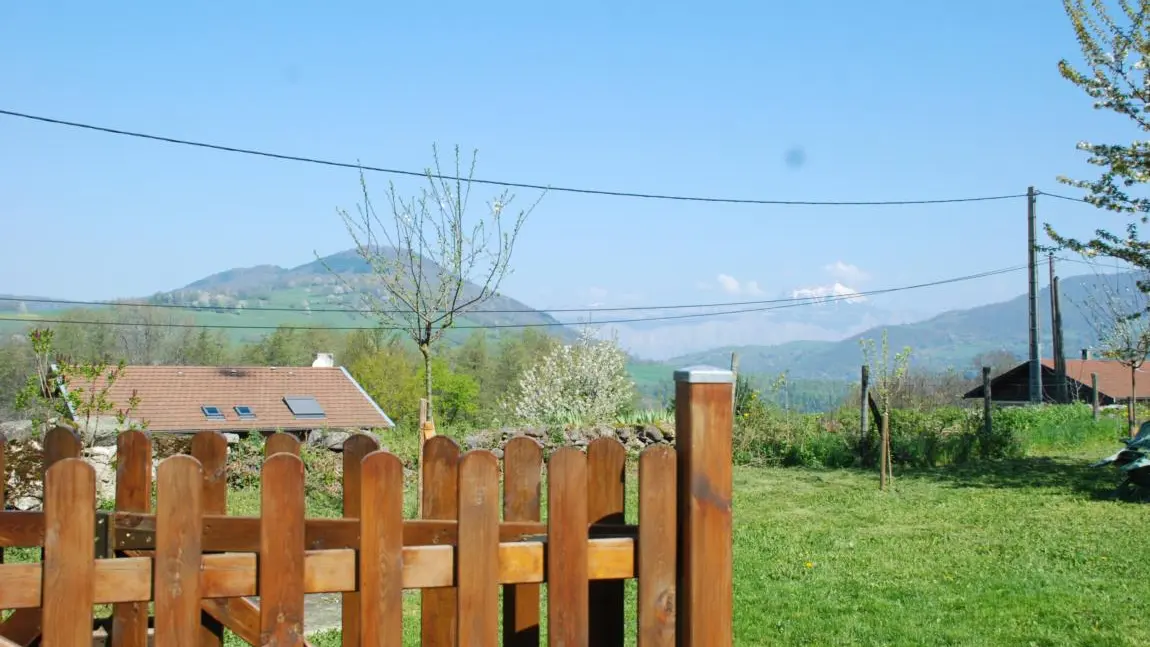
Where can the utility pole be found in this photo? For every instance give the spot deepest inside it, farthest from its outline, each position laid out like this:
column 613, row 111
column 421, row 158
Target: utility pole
column 1060, row 390
column 1032, row 271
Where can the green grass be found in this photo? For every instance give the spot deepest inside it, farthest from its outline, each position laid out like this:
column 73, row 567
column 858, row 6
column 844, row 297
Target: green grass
column 1029, row 551
column 1037, row 550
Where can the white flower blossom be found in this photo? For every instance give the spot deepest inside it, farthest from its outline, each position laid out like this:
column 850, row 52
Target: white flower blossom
column 585, row 381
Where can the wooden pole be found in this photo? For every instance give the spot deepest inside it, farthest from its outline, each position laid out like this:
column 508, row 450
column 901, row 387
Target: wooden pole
column 1094, row 394
column 703, row 423
column 734, row 376
column 884, row 452
column 987, row 419
column 864, row 408
column 1056, row 336
column 426, row 431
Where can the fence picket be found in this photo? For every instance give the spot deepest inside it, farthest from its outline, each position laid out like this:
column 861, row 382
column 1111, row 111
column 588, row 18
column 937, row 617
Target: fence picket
column 281, row 563
column 23, row 626
column 477, row 557
column 69, row 556
column 355, row 449
column 380, row 599
column 210, row 448
column 656, row 550
column 133, row 494
column 567, row 601
column 438, row 623
column 279, row 442
column 522, row 472
column 606, row 498
column 179, row 538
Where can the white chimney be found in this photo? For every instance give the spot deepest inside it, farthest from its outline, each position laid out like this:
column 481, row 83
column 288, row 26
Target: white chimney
column 324, row 360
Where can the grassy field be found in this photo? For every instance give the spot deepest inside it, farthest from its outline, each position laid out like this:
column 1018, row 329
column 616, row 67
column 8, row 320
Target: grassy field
column 1031, row 551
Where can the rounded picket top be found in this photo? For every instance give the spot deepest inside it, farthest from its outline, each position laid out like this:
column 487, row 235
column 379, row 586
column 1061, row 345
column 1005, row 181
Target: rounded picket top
column 607, row 446
column 281, row 443
column 279, row 469
column 478, row 479
column 657, row 453
column 566, row 455
column 182, row 476
column 181, row 462
column 523, row 450
column 440, row 448
column 479, row 456
column 72, row 476
column 360, row 444
column 208, row 443
column 382, row 465
column 61, row 442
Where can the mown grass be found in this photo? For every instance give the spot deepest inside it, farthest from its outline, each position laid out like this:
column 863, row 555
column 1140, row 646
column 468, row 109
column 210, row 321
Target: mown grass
column 1033, row 550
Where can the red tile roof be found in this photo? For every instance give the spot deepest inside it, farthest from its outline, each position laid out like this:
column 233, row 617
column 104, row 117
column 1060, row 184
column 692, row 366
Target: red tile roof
column 1113, row 377
column 171, row 397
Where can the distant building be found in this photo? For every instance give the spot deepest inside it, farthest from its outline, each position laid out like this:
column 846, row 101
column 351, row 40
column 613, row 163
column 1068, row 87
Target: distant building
column 245, row 398
column 1013, row 386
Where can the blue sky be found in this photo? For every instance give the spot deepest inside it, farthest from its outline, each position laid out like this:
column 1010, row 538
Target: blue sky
column 885, row 99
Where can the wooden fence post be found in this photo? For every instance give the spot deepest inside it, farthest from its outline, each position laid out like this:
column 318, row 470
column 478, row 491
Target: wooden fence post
column 1094, row 394
column 987, row 419
column 864, row 409
column 703, row 427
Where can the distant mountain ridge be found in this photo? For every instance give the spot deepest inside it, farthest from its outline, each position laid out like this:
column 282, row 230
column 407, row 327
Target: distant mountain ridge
column 949, row 340
column 315, row 285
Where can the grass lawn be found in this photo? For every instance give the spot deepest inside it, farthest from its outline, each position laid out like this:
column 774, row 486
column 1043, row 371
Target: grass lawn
column 1035, row 551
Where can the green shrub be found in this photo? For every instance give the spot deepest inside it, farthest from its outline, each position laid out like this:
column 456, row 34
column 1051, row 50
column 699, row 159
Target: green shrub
column 766, row 435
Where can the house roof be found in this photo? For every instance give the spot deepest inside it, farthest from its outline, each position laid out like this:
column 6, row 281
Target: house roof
column 1113, row 377
column 171, row 397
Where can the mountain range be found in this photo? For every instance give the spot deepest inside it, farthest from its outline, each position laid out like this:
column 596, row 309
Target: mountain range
column 951, row 339
column 819, row 340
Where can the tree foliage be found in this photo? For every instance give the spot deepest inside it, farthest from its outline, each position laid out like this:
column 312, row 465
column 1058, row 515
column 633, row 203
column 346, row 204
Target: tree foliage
column 1115, row 46
column 584, row 381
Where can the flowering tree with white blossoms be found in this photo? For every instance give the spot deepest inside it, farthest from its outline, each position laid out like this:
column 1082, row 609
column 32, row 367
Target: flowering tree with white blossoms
column 586, row 381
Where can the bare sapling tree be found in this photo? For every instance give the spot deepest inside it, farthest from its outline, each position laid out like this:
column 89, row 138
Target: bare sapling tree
column 886, row 378
column 433, row 263
column 1116, row 308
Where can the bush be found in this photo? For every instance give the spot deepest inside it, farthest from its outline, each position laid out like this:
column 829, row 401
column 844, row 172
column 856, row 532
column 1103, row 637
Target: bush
column 766, row 435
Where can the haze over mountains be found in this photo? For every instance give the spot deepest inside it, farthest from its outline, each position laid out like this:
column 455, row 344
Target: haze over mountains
column 811, row 340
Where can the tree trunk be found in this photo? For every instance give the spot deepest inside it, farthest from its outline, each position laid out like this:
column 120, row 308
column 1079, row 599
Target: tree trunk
column 425, row 350
column 884, row 449
column 1130, row 414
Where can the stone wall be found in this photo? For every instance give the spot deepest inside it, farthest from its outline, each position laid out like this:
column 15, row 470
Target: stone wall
column 633, row 437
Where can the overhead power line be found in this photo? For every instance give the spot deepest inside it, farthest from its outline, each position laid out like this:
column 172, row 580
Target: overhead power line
column 502, row 183
column 694, row 315
column 368, row 311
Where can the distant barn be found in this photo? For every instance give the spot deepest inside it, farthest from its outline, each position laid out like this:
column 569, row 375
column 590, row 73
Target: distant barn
column 1013, row 386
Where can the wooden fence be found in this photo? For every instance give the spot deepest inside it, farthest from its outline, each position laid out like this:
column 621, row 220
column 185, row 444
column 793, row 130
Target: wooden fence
column 200, row 567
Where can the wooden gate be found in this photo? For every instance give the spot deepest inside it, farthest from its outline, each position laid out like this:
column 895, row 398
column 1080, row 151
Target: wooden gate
column 200, row 568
